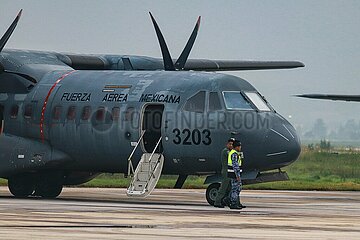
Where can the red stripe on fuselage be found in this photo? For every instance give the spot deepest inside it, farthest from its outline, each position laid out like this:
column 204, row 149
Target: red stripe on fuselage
column 42, row 119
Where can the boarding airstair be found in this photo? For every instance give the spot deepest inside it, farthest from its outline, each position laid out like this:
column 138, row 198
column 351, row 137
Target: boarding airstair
column 147, row 172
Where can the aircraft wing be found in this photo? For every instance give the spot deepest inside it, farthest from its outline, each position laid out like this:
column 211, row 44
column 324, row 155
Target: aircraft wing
column 105, row 62
column 238, row 65
column 335, row 97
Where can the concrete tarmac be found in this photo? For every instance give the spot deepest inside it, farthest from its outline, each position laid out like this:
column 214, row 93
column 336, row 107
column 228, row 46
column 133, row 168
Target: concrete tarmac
column 92, row 213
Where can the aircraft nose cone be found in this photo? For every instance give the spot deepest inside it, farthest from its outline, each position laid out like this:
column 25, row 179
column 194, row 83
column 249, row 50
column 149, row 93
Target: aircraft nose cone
column 294, row 147
column 282, row 145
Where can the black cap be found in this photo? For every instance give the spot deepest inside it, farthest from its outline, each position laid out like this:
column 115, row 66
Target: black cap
column 236, row 144
column 231, row 140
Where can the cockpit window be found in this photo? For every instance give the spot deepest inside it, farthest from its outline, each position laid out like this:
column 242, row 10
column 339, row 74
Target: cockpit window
column 235, row 100
column 214, row 102
column 258, row 101
column 196, row 103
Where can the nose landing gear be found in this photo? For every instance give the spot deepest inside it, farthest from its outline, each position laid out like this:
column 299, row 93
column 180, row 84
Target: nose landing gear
column 212, row 192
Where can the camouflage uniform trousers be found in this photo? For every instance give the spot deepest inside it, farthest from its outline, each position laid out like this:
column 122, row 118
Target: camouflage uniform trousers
column 235, row 191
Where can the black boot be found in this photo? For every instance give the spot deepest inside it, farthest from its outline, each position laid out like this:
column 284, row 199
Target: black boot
column 235, row 206
column 242, row 206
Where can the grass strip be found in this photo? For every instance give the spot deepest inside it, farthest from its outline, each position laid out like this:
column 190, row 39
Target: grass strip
column 314, row 170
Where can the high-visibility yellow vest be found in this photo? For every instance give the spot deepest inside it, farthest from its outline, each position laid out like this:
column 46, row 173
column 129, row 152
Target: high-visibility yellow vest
column 230, row 160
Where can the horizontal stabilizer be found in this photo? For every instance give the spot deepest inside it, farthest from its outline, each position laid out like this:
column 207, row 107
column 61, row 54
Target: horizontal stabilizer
column 238, row 65
column 335, row 97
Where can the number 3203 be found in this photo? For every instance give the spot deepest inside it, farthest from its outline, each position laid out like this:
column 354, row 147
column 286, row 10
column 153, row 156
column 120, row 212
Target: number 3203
column 188, row 137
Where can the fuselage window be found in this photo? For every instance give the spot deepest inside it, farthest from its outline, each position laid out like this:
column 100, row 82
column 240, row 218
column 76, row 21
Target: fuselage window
column 28, row 111
column 57, row 113
column 258, row 101
column 129, row 114
column 108, row 117
column 196, row 103
column 71, row 113
column 236, row 101
column 100, row 114
column 115, row 113
column 14, row 111
column 214, row 102
column 86, row 113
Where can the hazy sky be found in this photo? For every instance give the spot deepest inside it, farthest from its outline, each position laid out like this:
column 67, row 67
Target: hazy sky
column 323, row 34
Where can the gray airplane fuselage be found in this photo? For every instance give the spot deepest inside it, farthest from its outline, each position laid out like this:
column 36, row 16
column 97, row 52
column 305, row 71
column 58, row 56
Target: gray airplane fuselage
column 65, row 118
column 89, row 121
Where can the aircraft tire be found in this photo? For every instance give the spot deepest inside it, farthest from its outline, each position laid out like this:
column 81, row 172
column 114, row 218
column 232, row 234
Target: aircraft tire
column 48, row 189
column 49, row 185
column 211, row 193
column 21, row 186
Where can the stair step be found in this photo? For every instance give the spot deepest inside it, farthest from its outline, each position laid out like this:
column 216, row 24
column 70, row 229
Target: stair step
column 143, row 176
column 146, row 175
column 139, row 185
column 145, row 167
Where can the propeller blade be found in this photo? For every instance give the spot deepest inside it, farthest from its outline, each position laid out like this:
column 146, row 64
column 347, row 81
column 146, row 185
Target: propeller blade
column 168, row 63
column 180, row 63
column 10, row 30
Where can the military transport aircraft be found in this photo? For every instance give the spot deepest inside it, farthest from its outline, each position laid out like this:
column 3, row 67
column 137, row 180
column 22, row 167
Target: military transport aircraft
column 65, row 118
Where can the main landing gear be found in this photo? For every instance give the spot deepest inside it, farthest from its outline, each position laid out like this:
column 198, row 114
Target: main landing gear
column 21, row 186
column 47, row 185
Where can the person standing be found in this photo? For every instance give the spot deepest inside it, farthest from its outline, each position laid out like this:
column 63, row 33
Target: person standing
column 224, row 189
column 234, row 173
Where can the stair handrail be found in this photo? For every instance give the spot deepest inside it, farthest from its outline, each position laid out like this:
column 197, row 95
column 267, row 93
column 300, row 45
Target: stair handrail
column 130, row 165
column 157, row 144
column 157, row 162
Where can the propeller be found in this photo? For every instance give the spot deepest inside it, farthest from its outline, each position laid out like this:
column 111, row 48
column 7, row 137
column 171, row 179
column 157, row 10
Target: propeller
column 181, row 61
column 3, row 42
column 9, row 31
